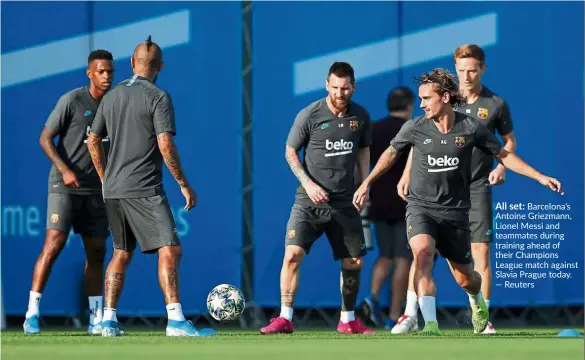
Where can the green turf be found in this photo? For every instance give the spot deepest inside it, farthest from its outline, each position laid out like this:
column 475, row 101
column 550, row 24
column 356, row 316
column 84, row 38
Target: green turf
column 303, row 345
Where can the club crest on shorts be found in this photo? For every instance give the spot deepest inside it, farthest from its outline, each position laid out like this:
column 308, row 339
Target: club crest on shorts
column 409, row 228
column 54, row 218
column 291, row 234
column 482, row 113
column 460, row 141
column 354, row 125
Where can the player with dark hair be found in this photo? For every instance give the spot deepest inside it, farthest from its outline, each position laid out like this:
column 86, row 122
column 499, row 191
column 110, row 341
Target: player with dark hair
column 437, row 213
column 75, row 193
column 139, row 118
column 493, row 112
column 335, row 133
column 387, row 210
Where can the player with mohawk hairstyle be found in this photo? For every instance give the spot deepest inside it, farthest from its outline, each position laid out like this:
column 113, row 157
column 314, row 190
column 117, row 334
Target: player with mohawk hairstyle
column 139, row 118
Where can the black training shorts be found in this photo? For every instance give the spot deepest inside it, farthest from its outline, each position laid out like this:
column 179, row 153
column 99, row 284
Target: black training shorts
column 481, row 216
column 343, row 228
column 85, row 213
column 147, row 221
column 451, row 233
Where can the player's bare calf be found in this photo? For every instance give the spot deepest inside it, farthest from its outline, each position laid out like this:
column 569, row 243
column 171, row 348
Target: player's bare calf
column 323, row 203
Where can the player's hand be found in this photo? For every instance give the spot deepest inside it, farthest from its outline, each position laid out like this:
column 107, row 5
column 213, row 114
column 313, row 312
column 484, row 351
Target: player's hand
column 70, row 179
column 497, row 176
column 316, row 193
column 360, row 197
column 552, row 184
column 402, row 187
column 190, row 197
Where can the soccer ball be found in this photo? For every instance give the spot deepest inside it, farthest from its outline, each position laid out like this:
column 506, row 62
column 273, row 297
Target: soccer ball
column 225, row 302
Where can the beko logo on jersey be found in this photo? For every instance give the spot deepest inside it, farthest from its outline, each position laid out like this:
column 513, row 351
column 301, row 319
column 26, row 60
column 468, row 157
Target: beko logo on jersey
column 340, row 147
column 444, row 163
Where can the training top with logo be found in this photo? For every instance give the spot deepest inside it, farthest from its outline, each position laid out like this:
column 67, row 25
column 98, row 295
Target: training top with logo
column 71, row 119
column 493, row 112
column 133, row 114
column 331, row 145
column 441, row 173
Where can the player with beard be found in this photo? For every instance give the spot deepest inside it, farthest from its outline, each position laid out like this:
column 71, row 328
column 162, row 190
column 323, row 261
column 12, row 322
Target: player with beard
column 75, row 194
column 439, row 198
column 335, row 133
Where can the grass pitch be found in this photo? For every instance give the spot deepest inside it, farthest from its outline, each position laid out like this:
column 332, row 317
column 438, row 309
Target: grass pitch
column 530, row 344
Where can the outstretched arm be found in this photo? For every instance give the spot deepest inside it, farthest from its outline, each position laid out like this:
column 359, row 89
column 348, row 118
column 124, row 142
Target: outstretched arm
column 387, row 159
column 517, row 165
column 385, row 162
column 98, row 156
column 489, row 144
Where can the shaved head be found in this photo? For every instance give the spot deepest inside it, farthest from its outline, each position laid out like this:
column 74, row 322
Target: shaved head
column 147, row 59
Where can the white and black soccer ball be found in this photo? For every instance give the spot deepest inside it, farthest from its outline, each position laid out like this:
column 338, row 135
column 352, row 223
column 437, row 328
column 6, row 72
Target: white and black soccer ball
column 225, row 302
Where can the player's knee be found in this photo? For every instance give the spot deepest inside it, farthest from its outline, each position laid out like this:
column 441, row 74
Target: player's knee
column 424, row 259
column 293, row 256
column 54, row 243
column 352, row 263
column 122, row 257
column 463, row 280
column 171, row 253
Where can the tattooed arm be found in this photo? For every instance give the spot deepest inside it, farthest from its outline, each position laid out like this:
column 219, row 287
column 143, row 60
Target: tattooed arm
column 170, row 154
column 96, row 151
column 316, row 193
column 292, row 158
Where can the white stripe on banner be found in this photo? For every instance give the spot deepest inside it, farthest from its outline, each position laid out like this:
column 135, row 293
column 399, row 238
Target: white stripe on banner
column 22, row 66
column 381, row 57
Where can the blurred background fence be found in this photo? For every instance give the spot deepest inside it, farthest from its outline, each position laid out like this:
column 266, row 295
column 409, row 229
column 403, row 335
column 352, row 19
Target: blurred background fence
column 238, row 73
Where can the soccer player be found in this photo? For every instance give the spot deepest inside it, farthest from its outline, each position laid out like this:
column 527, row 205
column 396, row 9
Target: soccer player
column 335, row 133
column 387, row 210
column 139, row 119
column 438, row 201
column 75, row 196
column 493, row 112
